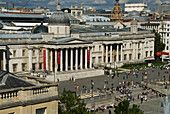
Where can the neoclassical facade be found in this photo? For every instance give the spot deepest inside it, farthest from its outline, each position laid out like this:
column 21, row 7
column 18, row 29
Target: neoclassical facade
column 59, row 48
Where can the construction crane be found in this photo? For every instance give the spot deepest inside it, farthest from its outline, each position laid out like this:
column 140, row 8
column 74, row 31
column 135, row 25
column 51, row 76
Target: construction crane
column 26, row 3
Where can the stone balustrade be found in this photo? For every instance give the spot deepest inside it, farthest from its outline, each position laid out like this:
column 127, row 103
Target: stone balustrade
column 28, row 93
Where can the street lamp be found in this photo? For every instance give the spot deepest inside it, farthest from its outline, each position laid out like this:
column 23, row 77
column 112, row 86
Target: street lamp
column 92, row 86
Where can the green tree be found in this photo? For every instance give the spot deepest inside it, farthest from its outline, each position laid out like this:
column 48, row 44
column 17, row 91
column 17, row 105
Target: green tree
column 71, row 104
column 123, row 108
column 159, row 45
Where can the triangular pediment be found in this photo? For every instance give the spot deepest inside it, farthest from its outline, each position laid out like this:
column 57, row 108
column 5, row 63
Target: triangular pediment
column 69, row 40
column 75, row 41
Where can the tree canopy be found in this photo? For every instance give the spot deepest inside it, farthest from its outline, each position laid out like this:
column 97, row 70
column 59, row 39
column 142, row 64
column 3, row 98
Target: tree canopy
column 123, row 108
column 159, row 45
column 71, row 104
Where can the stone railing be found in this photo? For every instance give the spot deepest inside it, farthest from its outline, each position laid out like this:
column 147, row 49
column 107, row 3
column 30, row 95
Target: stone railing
column 28, row 93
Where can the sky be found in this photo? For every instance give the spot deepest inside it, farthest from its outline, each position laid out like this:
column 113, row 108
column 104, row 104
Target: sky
column 97, row 4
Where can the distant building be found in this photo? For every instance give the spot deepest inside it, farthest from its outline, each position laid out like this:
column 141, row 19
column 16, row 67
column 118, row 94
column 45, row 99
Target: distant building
column 135, row 6
column 27, row 94
column 7, row 5
column 77, row 12
column 162, row 27
column 60, row 48
column 105, row 25
column 86, row 18
column 117, row 13
column 164, row 8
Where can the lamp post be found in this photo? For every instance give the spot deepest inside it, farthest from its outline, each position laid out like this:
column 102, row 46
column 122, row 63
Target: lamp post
column 92, row 86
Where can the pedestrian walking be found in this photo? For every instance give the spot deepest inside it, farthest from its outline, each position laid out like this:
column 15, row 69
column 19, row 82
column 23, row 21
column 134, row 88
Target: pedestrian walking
column 117, row 74
column 141, row 99
column 75, row 86
column 123, row 77
column 126, row 76
column 162, row 105
column 158, row 73
column 145, row 98
column 138, row 96
column 110, row 111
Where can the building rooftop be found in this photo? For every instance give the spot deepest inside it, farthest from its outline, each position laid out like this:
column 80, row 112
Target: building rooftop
column 9, row 81
column 21, row 15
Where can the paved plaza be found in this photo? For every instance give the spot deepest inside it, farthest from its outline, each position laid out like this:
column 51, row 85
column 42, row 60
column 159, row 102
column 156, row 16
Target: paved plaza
column 153, row 105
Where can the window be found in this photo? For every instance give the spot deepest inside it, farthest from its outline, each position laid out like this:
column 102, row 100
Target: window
column 130, row 56
column 139, row 56
column 125, row 46
column 167, row 41
column 146, row 54
column 93, row 48
column 40, row 66
column 14, row 53
column 33, row 66
column 130, row 45
column 33, row 52
column 125, row 56
column 40, row 51
column 23, row 66
column 167, row 34
column 100, row 47
column 138, row 45
column 99, row 59
column 93, row 60
column 150, row 53
column 23, row 52
column 166, row 47
column 14, row 67
column 41, row 111
column 119, row 57
column 115, row 58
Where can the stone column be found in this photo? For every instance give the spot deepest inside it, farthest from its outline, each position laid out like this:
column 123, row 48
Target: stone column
column 90, row 58
column 117, row 58
column 133, row 51
column 38, row 59
column 76, row 59
column 121, row 53
column 102, row 53
column 51, row 60
column 30, row 59
column 56, row 65
column 66, row 63
column 85, row 58
column 47, row 59
column 61, row 60
column 4, row 60
column 81, row 58
column 106, row 60
column 111, row 53
column 71, row 60
column 137, row 51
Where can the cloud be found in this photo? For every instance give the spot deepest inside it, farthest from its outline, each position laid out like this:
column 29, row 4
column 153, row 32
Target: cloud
column 99, row 2
column 52, row 3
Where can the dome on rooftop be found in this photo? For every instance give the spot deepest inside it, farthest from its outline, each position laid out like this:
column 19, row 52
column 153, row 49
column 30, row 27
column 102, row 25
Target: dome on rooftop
column 59, row 18
column 41, row 29
column 134, row 22
column 134, row 13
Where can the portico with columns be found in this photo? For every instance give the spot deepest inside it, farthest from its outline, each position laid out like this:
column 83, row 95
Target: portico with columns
column 113, row 53
column 76, row 55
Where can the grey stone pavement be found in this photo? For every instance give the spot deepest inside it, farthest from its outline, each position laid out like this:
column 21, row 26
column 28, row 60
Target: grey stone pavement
column 152, row 106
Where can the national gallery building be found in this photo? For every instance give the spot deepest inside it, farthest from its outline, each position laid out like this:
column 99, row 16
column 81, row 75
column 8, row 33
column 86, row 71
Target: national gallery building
column 60, row 47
